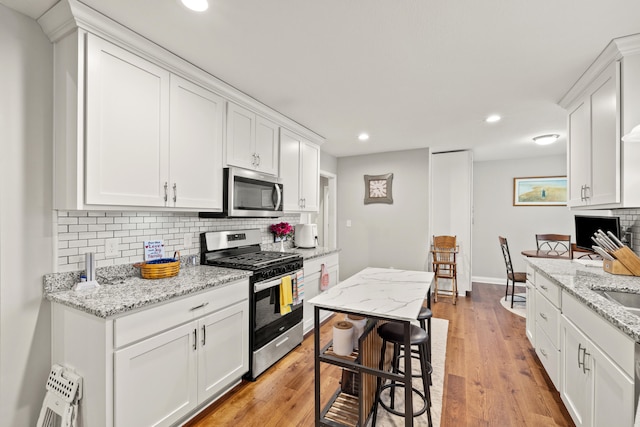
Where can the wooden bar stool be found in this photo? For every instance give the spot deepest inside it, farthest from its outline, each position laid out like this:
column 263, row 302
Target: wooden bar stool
column 394, row 333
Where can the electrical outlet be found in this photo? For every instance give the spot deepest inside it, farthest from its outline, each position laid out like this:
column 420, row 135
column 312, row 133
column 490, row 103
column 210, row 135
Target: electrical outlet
column 111, row 248
column 187, row 241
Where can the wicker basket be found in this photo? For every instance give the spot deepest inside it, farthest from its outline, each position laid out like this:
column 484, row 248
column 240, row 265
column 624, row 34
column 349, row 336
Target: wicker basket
column 161, row 268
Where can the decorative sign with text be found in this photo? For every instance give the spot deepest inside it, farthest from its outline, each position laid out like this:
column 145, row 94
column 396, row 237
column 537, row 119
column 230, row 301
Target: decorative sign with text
column 153, row 249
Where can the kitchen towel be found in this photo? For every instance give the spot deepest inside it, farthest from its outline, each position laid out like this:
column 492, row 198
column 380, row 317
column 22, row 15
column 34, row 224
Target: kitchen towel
column 324, row 278
column 298, row 288
column 286, row 298
column 343, row 338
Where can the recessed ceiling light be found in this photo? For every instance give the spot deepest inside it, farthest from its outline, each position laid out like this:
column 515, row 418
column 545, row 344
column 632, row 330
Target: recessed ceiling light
column 363, row 136
column 196, row 5
column 546, row 139
column 493, row 118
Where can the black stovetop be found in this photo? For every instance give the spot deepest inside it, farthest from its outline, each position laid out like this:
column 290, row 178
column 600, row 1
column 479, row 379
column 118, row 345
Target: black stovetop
column 254, row 260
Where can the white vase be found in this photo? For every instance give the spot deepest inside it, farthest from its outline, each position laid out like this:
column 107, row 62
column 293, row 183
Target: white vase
column 282, row 245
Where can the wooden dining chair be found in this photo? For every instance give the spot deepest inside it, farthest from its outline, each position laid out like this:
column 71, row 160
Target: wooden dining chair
column 512, row 276
column 443, row 253
column 554, row 244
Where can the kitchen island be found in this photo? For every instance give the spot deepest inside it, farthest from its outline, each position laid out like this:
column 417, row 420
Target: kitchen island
column 379, row 294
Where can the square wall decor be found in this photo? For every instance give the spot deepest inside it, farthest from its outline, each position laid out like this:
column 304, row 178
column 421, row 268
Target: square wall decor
column 377, row 189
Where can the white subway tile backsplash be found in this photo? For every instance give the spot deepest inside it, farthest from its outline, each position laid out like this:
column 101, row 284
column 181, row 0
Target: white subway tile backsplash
column 80, row 232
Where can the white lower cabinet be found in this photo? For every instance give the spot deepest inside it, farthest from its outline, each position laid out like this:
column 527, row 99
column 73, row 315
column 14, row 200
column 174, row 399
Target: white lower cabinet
column 531, row 307
column 156, row 366
column 312, row 279
column 182, row 368
column 595, row 389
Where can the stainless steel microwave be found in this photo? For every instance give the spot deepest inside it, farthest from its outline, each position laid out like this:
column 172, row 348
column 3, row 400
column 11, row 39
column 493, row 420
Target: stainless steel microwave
column 249, row 194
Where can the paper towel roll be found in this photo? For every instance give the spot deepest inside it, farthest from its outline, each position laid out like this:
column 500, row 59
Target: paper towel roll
column 359, row 322
column 343, row 338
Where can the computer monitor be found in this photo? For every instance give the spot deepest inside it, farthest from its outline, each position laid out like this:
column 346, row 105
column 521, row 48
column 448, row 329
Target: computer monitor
column 586, row 226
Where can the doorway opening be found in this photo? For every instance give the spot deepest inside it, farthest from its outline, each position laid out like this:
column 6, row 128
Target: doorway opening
column 327, row 212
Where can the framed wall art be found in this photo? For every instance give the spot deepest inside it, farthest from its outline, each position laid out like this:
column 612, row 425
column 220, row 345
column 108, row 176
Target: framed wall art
column 377, row 189
column 540, row 191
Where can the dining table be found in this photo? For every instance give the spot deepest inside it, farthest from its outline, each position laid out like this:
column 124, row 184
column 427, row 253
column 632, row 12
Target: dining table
column 379, row 294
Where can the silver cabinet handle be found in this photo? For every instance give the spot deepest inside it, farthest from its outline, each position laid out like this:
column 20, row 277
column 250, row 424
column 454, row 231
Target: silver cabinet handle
column 544, row 316
column 166, row 191
column 586, row 192
column 259, row 160
column 195, row 339
column 544, row 353
column 254, row 161
column 204, row 335
column 175, row 192
column 544, row 287
column 204, row 304
column 584, row 360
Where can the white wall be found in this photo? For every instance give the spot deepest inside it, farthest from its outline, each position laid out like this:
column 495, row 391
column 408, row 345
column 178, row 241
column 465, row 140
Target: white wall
column 383, row 235
column 494, row 214
column 25, row 216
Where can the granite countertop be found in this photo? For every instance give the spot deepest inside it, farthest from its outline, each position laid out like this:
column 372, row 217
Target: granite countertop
column 379, row 292
column 312, row 253
column 120, row 294
column 581, row 282
column 122, row 289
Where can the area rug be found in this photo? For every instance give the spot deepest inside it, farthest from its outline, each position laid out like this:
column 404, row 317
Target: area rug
column 519, row 304
column 439, row 330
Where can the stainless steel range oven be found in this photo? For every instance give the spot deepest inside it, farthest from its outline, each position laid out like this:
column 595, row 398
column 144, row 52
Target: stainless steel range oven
column 271, row 334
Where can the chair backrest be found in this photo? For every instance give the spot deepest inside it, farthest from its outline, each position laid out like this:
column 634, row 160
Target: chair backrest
column 507, row 256
column 444, row 249
column 555, row 244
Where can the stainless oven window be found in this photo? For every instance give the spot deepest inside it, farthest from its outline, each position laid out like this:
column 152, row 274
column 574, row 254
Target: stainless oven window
column 249, row 194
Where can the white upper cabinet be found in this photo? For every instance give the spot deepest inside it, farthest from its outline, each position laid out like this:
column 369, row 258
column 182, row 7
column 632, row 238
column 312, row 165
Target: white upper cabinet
column 300, row 172
column 153, row 139
column 594, row 143
column 195, row 146
column 127, row 119
column 137, row 127
column 602, row 106
column 252, row 140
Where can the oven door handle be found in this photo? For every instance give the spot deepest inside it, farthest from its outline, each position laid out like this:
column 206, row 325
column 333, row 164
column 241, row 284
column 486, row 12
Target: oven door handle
column 261, row 286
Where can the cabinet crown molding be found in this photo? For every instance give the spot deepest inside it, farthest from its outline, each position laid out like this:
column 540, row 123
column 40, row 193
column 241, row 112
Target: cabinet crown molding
column 617, row 49
column 68, row 15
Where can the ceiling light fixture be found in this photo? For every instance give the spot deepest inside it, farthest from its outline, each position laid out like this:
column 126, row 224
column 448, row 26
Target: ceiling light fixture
column 363, row 136
column 633, row 136
column 493, row 118
column 546, row 139
column 196, row 5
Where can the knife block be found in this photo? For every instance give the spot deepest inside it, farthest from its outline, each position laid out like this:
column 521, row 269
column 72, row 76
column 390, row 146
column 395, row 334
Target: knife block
column 626, row 263
column 615, row 267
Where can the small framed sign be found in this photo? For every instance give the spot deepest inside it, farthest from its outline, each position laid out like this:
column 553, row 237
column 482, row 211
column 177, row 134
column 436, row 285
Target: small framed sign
column 153, row 249
column 540, row 191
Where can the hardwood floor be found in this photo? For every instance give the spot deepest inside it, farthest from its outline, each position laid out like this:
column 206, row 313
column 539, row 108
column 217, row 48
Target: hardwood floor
column 492, row 376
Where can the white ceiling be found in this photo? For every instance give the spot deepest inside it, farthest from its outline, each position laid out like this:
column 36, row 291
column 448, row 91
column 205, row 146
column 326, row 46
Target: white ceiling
column 411, row 73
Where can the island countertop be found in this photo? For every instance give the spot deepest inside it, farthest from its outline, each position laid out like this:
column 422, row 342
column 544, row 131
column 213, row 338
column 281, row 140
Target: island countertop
column 582, row 282
column 379, row 292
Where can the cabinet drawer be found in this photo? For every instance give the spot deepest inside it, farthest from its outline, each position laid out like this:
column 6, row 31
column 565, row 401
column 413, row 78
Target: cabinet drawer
column 144, row 323
column 549, row 356
column 618, row 346
column 548, row 318
column 549, row 289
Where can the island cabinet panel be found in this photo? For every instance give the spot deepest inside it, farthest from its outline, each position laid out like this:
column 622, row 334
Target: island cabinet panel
column 531, row 306
column 312, row 283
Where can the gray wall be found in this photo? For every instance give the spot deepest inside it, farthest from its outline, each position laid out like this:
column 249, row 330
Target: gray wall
column 494, row 214
column 383, row 235
column 26, row 224
column 328, row 163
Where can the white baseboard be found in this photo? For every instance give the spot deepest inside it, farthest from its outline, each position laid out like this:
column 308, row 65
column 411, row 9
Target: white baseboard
column 490, row 280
